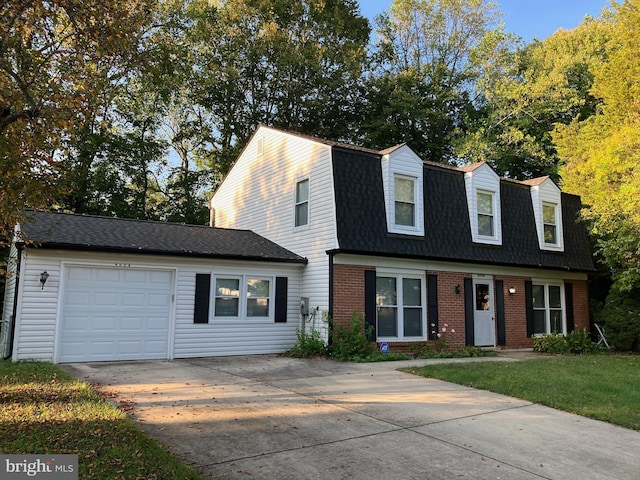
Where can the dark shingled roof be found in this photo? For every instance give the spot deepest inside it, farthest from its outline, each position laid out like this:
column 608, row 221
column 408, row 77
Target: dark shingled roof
column 362, row 224
column 88, row 232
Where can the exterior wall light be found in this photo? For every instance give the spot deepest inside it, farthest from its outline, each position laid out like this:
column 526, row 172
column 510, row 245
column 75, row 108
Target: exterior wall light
column 43, row 278
column 457, row 289
column 512, row 290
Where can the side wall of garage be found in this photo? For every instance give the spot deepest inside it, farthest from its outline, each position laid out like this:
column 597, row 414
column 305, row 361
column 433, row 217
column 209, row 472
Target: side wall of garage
column 43, row 320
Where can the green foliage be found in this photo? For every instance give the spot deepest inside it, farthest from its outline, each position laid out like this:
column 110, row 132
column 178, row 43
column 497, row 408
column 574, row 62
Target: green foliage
column 309, row 344
column 576, row 342
column 621, row 318
column 352, row 342
column 423, row 350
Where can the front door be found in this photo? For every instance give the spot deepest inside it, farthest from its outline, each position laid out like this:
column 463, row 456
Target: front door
column 483, row 318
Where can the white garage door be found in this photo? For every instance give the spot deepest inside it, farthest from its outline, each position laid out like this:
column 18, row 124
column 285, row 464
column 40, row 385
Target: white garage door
column 115, row 314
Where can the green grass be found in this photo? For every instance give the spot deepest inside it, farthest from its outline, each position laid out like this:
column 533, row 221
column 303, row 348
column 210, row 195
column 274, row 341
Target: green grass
column 604, row 387
column 43, row 410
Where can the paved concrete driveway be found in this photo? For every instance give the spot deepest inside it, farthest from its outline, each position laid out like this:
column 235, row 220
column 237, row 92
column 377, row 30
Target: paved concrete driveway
column 280, row 418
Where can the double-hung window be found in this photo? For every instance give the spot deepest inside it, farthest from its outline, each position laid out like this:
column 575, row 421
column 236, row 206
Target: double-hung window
column 547, row 309
column 302, row 203
column 485, row 213
column 549, row 223
column 400, row 307
column 404, row 195
column 239, row 296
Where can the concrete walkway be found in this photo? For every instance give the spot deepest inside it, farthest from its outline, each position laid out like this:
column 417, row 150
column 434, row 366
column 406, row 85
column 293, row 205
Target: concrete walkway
column 272, row 417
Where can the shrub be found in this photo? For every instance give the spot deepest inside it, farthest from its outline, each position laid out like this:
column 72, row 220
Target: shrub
column 579, row 342
column 621, row 318
column 308, row 345
column 551, row 343
column 353, row 342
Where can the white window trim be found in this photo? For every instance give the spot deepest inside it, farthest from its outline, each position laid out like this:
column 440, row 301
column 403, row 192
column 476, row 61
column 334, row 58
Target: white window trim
column 494, row 212
column 296, row 203
column 548, row 193
column 242, row 307
column 556, row 224
column 547, row 319
column 399, row 275
column 408, row 228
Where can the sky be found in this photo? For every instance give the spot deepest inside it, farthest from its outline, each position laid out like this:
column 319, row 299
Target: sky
column 527, row 18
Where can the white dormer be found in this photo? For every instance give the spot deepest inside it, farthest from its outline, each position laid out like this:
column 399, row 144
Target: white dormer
column 402, row 177
column 547, row 211
column 482, row 185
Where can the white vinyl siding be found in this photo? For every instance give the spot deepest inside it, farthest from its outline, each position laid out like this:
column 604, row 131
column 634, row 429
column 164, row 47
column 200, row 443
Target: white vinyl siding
column 258, row 195
column 402, row 178
column 546, row 199
column 38, row 322
column 9, row 301
column 482, row 186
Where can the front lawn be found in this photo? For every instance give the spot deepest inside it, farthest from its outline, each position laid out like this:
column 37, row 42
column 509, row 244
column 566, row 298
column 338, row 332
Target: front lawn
column 43, row 410
column 604, row 387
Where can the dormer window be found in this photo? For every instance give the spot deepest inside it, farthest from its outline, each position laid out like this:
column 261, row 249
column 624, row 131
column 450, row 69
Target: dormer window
column 485, row 214
column 402, row 178
column 546, row 200
column 550, row 223
column 482, row 185
column 404, row 194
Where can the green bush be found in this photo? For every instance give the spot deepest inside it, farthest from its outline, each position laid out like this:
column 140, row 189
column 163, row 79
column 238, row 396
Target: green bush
column 551, row 343
column 621, row 318
column 577, row 343
column 353, row 342
column 308, row 345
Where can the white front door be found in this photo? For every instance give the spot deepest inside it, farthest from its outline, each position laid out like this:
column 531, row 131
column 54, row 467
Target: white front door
column 483, row 317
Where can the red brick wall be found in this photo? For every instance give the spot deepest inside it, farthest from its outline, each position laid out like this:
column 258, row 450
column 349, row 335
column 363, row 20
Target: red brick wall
column 348, row 296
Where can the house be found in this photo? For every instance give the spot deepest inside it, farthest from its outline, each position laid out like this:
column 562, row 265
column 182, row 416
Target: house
column 415, row 246
column 88, row 288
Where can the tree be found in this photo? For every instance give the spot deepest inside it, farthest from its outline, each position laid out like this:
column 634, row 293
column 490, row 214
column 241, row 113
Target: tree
column 292, row 64
column 601, row 154
column 421, row 89
column 537, row 86
column 58, row 59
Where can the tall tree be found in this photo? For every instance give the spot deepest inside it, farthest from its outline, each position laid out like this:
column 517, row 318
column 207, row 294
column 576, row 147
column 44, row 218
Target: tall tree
column 422, row 85
column 292, row 64
column 57, row 59
column 601, row 154
column 537, row 86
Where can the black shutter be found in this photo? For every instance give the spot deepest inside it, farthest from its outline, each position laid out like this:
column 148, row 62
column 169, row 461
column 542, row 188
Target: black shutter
column 468, row 311
column 528, row 306
column 282, row 284
column 502, row 330
column 203, row 291
column 568, row 300
column 432, row 305
column 370, row 301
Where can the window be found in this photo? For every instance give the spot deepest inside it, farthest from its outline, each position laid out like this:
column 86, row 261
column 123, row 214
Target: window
column 227, row 297
column 485, row 214
column 255, row 291
column 400, row 310
column 258, row 292
column 547, row 309
column 302, row 203
column 549, row 223
column 404, row 199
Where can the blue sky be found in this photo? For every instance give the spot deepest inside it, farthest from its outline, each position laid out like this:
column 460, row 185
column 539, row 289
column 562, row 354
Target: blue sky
column 526, row 18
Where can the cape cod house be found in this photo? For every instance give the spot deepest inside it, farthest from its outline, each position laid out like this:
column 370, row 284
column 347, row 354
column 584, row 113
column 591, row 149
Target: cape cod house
column 306, row 230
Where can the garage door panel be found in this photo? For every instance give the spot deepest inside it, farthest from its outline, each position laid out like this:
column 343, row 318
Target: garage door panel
column 115, row 314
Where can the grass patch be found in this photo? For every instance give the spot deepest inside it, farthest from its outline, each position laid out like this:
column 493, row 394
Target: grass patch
column 44, row 410
column 603, row 387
